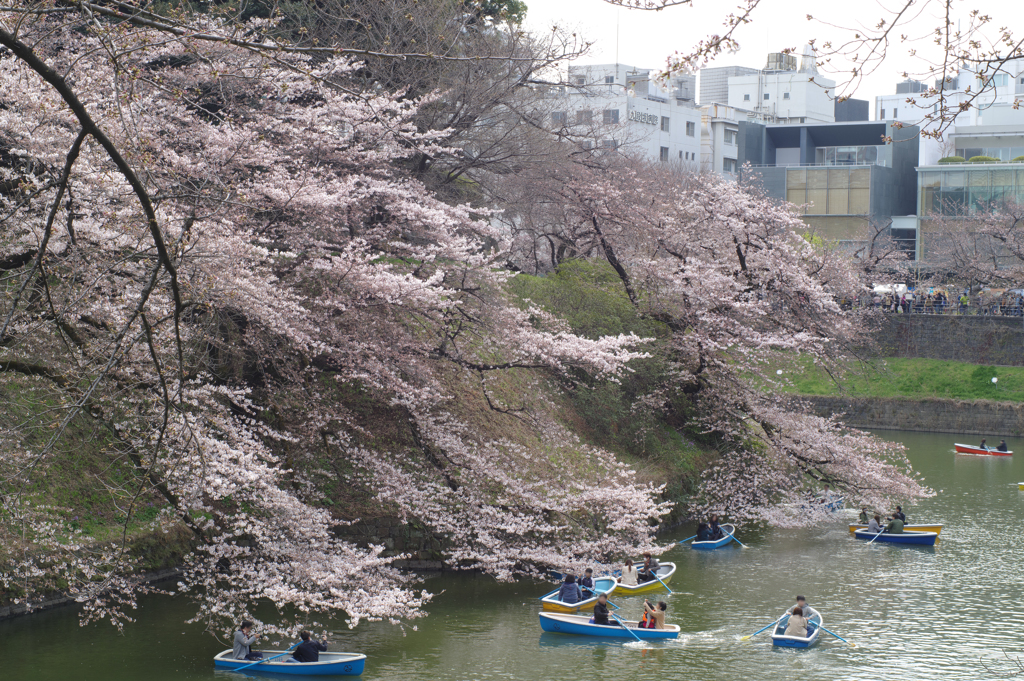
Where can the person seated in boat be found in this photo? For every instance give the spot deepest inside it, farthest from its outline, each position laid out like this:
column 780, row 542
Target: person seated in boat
column 983, row 445
column 570, row 592
column 863, row 515
column 801, row 603
column 797, row 624
column 895, row 526
column 703, row 532
column 875, row 526
column 900, row 514
column 826, row 495
column 1002, row 446
column 655, row 614
column 309, row 650
column 629, row 574
column 649, row 569
column 601, row 612
column 243, row 640
column 587, row 582
column 716, row 531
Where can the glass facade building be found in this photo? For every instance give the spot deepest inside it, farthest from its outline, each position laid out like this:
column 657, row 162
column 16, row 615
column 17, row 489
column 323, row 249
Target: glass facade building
column 967, row 189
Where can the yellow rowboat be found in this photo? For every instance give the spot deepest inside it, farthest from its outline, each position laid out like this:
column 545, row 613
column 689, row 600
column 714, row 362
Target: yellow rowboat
column 664, row 572
column 1020, row 485
column 602, row 585
column 937, row 529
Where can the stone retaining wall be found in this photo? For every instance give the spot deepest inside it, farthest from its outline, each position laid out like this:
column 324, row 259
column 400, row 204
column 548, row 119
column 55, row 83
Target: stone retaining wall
column 988, row 419
column 962, row 338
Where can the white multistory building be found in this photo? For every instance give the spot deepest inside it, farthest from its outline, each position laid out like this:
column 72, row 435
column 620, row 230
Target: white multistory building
column 787, row 90
column 621, row 106
column 719, row 139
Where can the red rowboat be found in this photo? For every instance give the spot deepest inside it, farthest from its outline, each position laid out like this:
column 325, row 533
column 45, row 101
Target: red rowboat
column 968, row 449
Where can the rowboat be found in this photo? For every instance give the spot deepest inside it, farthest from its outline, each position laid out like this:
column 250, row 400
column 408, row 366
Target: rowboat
column 602, row 585
column 924, row 538
column 968, row 449
column 717, row 543
column 779, row 637
column 330, row 664
column 937, row 529
column 581, row 625
column 1020, row 485
column 664, row 572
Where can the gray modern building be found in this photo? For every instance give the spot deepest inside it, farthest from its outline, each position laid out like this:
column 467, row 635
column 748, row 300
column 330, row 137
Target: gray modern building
column 845, row 175
column 714, row 82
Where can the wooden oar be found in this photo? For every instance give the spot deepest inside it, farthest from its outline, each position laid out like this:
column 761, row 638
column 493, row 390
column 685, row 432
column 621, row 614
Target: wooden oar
column 597, row 594
column 631, row 633
column 683, row 541
column 851, row 644
column 747, row 638
column 873, row 540
column 737, row 540
column 238, row 669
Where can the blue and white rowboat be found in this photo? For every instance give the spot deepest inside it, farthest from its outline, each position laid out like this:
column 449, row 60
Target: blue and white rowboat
column 780, row 639
column 330, row 664
column 905, row 537
column 717, row 543
column 580, row 625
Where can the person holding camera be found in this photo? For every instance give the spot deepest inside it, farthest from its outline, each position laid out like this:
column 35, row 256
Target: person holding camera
column 654, row 615
column 242, row 642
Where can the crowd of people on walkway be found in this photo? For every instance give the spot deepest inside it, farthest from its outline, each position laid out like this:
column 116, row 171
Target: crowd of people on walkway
column 1007, row 303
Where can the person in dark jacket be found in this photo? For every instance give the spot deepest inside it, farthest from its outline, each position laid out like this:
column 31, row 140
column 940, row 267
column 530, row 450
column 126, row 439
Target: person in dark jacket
column 983, row 445
column 309, row 650
column 601, row 610
column 716, row 531
column 570, row 591
column 703, row 533
column 650, row 568
column 587, row 583
column 900, row 514
column 1002, row 446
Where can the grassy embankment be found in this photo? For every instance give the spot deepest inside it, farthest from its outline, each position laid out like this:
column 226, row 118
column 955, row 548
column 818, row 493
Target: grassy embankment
column 911, row 379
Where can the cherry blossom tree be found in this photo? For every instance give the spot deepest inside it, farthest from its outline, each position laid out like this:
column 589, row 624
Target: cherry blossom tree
column 206, row 236
column 743, row 293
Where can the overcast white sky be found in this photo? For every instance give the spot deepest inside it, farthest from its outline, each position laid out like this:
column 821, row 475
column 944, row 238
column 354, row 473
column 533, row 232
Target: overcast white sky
column 646, row 39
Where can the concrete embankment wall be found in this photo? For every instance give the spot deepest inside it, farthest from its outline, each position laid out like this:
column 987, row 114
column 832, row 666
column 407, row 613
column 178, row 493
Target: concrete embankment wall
column 935, row 415
column 962, row 338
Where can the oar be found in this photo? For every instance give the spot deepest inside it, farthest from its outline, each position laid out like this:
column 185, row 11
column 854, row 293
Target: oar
column 541, row 598
column 852, row 645
column 597, row 594
column 662, row 583
column 873, row 540
column 683, row 541
column 238, row 669
column 737, row 540
column 631, row 632
column 747, row 638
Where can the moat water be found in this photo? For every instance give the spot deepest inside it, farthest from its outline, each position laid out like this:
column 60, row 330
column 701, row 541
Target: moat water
column 913, row 612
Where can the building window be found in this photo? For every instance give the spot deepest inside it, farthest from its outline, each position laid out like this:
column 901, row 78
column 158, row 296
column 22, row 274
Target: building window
column 746, row 98
column 881, row 116
column 691, row 129
column 611, row 116
column 803, row 120
column 664, row 154
column 681, row 155
column 785, row 95
column 766, row 96
column 608, row 144
column 1000, row 80
column 588, row 144
column 729, row 165
column 730, row 137
column 558, row 117
column 894, row 114
column 580, row 80
column 584, row 116
column 609, row 79
column 664, row 123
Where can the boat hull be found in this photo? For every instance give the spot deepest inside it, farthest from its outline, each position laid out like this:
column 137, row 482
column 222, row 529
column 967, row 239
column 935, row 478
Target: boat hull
column 780, row 639
column 937, row 529
column 919, row 538
column 580, row 625
column 602, row 585
column 665, row 572
column 718, row 543
column 968, row 449
column 330, row 664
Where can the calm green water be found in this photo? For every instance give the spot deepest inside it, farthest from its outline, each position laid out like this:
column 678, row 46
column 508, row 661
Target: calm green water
column 915, row 613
